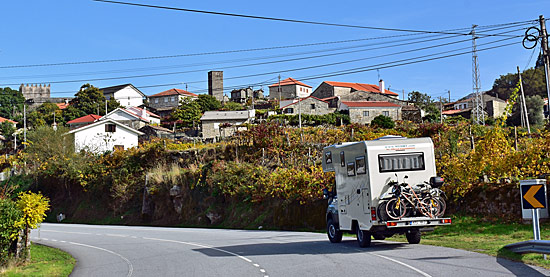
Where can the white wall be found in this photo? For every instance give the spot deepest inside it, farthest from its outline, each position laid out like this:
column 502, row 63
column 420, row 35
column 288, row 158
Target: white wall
column 122, row 95
column 95, row 139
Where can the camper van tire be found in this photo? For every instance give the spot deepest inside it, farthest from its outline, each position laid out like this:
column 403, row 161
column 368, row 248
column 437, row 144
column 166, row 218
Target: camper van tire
column 363, row 238
column 413, row 236
column 334, row 234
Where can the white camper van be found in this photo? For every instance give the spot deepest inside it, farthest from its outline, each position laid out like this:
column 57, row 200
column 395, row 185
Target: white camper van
column 383, row 187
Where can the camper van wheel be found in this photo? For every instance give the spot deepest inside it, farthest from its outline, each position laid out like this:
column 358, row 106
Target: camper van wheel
column 413, row 236
column 363, row 237
column 334, row 234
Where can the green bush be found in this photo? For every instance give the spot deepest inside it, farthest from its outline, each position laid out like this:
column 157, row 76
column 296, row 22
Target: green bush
column 9, row 216
column 383, row 121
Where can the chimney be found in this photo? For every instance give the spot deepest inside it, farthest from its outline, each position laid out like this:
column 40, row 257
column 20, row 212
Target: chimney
column 144, row 113
column 381, row 87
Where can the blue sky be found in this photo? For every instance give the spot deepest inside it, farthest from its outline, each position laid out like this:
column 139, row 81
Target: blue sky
column 64, row 31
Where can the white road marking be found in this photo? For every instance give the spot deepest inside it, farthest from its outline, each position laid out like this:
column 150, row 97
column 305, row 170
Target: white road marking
column 403, row 264
column 210, row 247
column 80, row 233
column 115, row 235
column 130, row 267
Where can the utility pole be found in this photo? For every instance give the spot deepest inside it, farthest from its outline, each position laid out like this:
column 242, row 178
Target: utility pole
column 524, row 107
column 25, row 124
column 545, row 53
column 440, row 110
column 479, row 115
column 279, row 89
column 105, row 107
column 449, row 96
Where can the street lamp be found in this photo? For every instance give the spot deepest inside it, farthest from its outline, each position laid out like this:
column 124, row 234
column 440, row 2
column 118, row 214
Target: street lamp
column 30, row 102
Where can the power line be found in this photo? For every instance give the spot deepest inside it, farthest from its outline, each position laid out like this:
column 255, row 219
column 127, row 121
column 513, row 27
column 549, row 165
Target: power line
column 218, row 52
column 255, row 64
column 414, row 41
column 283, row 19
column 352, row 71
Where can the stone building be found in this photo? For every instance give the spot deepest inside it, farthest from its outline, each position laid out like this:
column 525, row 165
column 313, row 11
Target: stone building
column 224, row 123
column 289, row 89
column 215, row 85
column 40, row 94
column 309, row 105
column 329, row 89
column 363, row 112
column 243, row 94
column 165, row 102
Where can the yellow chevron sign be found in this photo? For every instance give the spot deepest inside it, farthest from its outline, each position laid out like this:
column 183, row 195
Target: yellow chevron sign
column 533, row 197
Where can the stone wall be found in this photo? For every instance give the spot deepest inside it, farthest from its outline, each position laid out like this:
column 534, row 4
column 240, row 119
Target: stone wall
column 356, row 115
column 305, row 107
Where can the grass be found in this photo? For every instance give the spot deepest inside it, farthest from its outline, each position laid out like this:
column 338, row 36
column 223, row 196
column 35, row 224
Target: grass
column 487, row 237
column 45, row 261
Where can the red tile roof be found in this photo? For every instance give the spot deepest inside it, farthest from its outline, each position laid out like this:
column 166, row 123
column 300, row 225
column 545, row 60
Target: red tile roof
column 174, row 91
column 8, row 120
column 62, row 106
column 451, row 112
column 289, row 81
column 359, row 86
column 302, row 99
column 365, row 104
column 85, row 119
column 137, row 111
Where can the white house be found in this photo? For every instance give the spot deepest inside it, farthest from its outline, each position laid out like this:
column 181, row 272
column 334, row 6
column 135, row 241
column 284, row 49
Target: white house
column 134, row 117
column 127, row 95
column 104, row 135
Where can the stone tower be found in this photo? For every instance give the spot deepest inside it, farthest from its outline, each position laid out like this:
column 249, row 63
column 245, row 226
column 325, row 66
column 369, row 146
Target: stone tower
column 39, row 93
column 215, row 84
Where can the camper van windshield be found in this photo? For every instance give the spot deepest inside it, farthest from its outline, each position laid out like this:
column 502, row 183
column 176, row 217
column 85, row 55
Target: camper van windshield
column 401, row 162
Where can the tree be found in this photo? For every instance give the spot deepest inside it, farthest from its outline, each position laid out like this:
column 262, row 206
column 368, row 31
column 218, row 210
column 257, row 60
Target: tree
column 232, row 106
column 9, row 100
column 7, row 129
column 208, row 103
column 383, row 121
column 425, row 102
column 10, row 215
column 533, row 83
column 188, row 112
column 90, row 100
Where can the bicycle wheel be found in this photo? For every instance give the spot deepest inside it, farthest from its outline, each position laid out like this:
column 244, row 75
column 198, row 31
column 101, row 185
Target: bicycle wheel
column 395, row 208
column 429, row 206
column 442, row 206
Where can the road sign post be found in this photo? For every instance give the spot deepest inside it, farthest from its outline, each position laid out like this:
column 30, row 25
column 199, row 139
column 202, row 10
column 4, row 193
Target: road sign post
column 533, row 197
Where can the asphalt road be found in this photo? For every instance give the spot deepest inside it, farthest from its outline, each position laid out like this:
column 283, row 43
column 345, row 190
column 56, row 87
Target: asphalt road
column 154, row 251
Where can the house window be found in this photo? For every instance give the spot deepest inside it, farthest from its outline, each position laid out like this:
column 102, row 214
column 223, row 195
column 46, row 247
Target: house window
column 386, row 113
column 289, row 110
column 156, row 100
column 365, row 113
column 165, row 99
column 173, row 98
column 110, row 128
column 313, row 106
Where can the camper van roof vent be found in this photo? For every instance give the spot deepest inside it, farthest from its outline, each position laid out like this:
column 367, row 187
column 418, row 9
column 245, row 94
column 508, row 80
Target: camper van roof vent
column 390, row 137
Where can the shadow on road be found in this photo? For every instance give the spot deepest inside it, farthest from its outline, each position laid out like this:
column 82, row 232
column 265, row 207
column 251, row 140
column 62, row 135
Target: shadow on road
column 516, row 268
column 300, row 248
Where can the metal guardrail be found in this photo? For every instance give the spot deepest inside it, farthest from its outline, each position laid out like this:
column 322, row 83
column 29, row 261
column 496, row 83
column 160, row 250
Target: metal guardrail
column 530, row 246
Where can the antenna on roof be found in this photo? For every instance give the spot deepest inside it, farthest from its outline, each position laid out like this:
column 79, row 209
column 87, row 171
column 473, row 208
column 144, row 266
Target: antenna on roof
column 378, row 72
